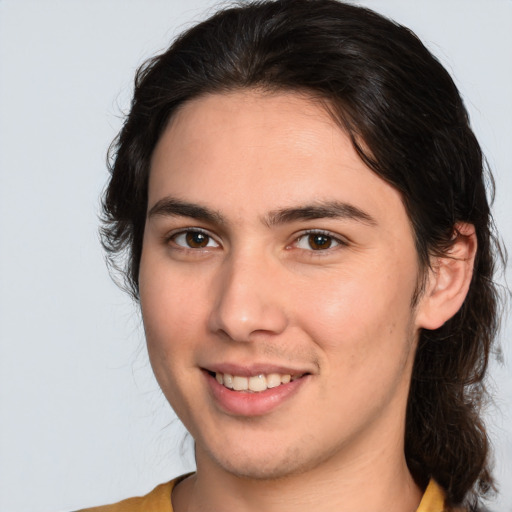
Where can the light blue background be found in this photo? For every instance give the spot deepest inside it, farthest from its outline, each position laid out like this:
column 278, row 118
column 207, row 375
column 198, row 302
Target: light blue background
column 82, row 421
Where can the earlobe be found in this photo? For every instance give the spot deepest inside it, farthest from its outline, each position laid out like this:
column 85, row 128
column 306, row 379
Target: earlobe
column 448, row 280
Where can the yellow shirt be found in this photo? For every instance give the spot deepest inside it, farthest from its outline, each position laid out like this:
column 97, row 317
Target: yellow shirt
column 159, row 500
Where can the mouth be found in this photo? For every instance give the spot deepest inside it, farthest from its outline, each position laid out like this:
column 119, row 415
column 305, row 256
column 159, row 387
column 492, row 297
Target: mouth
column 253, row 392
column 254, row 383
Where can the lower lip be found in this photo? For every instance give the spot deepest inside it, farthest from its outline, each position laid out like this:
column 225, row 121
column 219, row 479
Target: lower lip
column 242, row 403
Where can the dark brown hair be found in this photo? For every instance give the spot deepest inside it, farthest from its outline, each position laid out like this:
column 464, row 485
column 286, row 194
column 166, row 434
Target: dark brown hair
column 408, row 123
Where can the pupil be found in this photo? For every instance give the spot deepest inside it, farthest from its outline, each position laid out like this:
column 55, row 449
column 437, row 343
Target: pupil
column 197, row 239
column 317, row 242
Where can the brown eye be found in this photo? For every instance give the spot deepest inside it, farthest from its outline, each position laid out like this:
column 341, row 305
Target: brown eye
column 194, row 240
column 319, row 241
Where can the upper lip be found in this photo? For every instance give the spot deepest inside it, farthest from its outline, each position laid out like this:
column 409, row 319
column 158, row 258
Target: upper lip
column 253, row 369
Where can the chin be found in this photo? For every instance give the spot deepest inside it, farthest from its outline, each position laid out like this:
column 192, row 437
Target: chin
column 260, row 471
column 272, row 465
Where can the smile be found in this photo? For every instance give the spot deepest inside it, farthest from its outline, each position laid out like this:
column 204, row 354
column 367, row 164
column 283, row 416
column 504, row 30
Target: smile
column 255, row 383
column 253, row 391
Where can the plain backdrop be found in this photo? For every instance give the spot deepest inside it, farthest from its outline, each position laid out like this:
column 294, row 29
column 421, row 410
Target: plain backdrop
column 82, row 421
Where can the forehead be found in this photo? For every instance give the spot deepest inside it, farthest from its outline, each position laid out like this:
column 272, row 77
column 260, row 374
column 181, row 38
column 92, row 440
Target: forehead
column 252, row 152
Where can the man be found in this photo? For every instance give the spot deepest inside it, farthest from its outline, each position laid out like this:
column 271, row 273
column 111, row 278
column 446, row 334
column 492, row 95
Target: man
column 303, row 205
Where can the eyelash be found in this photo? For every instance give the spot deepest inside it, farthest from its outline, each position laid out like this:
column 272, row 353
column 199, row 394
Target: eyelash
column 194, row 231
column 315, row 232
column 318, row 232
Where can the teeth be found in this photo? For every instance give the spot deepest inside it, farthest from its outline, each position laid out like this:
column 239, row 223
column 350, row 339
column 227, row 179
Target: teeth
column 255, row 383
column 258, row 383
column 240, row 383
column 273, row 380
column 227, row 380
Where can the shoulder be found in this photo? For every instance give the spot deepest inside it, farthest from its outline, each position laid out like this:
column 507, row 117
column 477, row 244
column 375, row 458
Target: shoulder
column 158, row 500
column 434, row 500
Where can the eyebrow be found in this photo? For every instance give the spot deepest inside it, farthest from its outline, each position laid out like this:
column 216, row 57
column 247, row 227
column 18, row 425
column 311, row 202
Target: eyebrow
column 320, row 210
column 173, row 207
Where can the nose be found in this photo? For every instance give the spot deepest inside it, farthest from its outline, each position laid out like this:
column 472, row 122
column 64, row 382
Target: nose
column 248, row 300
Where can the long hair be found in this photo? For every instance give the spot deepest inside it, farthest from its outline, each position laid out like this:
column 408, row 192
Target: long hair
column 408, row 123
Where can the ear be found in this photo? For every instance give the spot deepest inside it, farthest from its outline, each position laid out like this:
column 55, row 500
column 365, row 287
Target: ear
column 448, row 280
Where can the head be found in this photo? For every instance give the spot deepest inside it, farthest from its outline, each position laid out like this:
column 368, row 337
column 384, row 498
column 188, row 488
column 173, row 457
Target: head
column 405, row 121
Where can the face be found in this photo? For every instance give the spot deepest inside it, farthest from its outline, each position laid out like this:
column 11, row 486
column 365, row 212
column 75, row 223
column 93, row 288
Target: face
column 276, row 282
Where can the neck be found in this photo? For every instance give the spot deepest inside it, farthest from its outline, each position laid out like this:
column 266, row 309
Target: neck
column 378, row 482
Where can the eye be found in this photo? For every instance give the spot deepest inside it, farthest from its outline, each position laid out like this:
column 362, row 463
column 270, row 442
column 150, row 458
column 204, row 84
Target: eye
column 193, row 239
column 317, row 241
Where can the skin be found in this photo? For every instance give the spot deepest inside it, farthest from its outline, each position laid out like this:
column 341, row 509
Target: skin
column 258, row 293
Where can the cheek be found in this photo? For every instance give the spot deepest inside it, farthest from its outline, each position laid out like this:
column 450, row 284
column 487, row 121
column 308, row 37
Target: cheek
column 364, row 318
column 173, row 329
column 171, row 317
column 363, row 330
column 171, row 310
column 169, row 295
